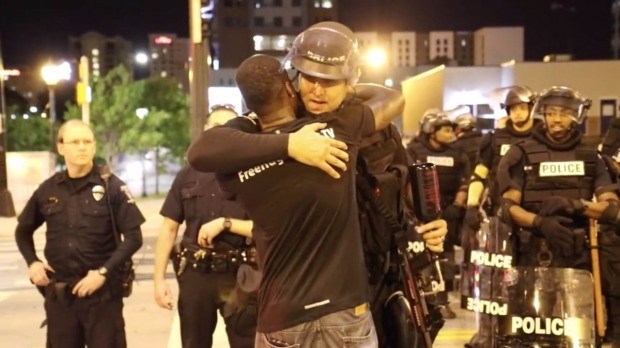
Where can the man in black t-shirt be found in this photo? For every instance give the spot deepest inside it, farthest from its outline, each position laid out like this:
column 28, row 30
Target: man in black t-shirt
column 307, row 233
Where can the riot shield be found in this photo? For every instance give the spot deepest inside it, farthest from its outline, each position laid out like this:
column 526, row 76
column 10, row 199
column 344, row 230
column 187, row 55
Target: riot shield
column 482, row 273
column 546, row 307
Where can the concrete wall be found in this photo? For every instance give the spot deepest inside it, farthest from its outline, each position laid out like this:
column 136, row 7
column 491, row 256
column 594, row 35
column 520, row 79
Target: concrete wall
column 422, row 92
column 469, row 85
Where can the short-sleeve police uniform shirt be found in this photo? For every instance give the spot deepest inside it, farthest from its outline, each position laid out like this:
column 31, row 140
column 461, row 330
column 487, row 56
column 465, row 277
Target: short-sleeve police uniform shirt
column 196, row 198
column 79, row 233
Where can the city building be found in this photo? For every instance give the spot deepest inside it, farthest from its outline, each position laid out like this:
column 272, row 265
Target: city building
column 104, row 53
column 241, row 28
column 495, row 45
column 169, row 57
column 615, row 40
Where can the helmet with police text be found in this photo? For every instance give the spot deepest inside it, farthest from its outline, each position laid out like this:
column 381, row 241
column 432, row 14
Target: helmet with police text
column 433, row 119
column 465, row 121
column 222, row 107
column 219, row 114
column 517, row 95
column 564, row 97
column 327, row 50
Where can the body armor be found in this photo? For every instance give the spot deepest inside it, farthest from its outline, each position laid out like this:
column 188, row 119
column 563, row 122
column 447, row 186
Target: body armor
column 568, row 173
column 470, row 143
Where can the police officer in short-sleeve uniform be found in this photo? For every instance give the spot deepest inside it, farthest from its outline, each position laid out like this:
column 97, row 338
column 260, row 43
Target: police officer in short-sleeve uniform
column 81, row 278
column 206, row 277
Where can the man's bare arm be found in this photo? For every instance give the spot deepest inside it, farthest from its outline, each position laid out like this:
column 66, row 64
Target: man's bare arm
column 385, row 103
column 226, row 149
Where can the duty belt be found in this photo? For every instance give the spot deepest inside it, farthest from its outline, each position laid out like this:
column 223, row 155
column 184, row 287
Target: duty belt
column 209, row 260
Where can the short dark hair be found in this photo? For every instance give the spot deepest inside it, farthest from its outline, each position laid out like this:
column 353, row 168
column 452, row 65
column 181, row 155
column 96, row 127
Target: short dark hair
column 260, row 79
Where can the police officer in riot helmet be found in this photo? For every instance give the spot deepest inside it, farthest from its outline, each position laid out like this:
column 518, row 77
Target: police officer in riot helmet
column 547, row 183
column 517, row 103
column 434, row 145
column 516, row 126
column 327, row 63
column 468, row 135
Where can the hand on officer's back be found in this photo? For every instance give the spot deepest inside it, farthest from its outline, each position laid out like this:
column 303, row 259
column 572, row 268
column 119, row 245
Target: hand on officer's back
column 309, row 147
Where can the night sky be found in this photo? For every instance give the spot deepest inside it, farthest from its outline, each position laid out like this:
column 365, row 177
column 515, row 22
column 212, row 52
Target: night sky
column 34, row 31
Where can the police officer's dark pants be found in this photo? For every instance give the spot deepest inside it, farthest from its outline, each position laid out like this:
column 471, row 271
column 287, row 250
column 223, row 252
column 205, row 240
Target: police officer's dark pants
column 92, row 321
column 201, row 294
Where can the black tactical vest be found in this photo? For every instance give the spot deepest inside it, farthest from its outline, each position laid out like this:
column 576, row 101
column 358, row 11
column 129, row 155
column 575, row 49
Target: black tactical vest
column 470, row 143
column 448, row 165
column 568, row 173
column 611, row 140
column 502, row 140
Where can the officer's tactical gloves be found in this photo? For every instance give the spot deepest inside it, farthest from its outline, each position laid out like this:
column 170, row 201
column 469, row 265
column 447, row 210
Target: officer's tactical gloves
column 555, row 233
column 473, row 218
column 555, row 205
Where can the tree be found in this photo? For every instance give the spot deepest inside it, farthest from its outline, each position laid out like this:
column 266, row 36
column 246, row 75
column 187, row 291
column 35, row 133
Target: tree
column 113, row 111
column 164, row 95
column 27, row 134
column 116, row 100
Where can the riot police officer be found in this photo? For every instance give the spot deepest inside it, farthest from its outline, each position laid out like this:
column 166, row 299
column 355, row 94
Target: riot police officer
column 434, row 146
column 206, row 277
column 518, row 103
column 84, row 209
column 547, row 183
column 468, row 136
column 518, row 125
column 556, row 161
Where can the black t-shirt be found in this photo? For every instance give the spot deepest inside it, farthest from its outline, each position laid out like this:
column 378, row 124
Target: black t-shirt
column 79, row 234
column 306, row 228
column 196, row 198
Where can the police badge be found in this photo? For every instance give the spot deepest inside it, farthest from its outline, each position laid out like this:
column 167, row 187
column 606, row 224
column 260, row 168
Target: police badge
column 98, row 192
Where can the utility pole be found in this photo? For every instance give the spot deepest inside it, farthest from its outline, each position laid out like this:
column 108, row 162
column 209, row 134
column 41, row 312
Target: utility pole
column 199, row 18
column 6, row 200
column 83, row 89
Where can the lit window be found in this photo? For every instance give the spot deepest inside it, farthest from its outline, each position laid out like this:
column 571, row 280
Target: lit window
column 164, row 73
column 95, row 52
column 317, row 3
column 258, row 42
column 463, row 43
column 281, row 43
column 327, row 4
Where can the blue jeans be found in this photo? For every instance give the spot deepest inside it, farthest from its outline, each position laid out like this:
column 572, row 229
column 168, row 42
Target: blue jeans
column 351, row 327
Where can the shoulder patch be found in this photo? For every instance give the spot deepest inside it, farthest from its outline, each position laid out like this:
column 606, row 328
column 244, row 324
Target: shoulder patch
column 127, row 193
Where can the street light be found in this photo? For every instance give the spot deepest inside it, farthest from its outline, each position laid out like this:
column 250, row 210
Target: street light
column 376, row 57
column 142, row 58
column 52, row 74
